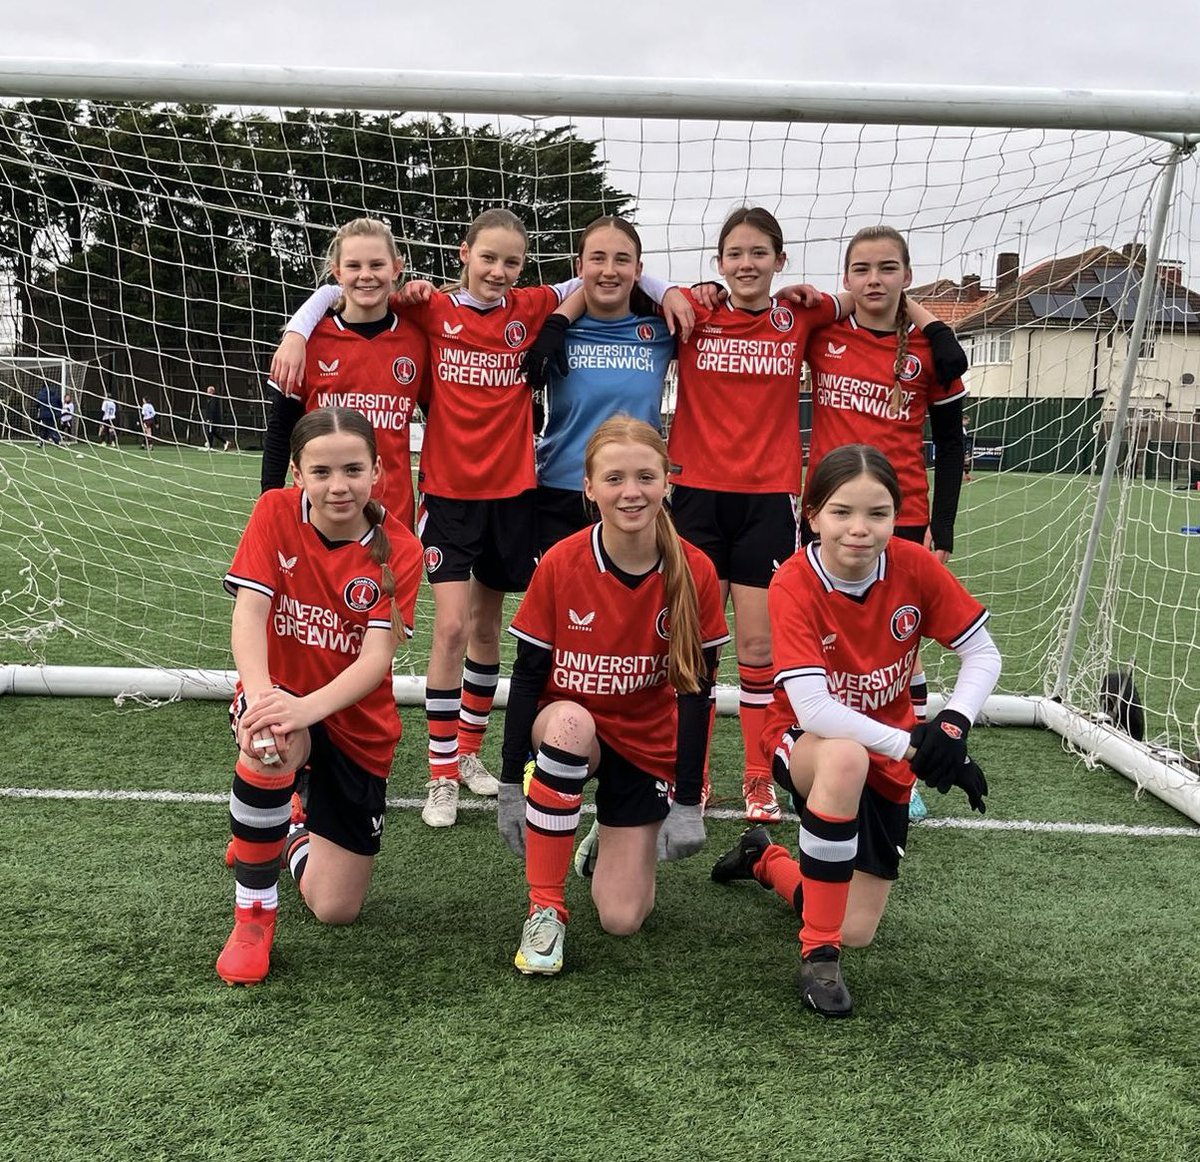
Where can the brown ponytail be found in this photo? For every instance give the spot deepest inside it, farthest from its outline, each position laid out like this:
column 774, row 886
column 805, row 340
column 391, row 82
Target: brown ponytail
column 685, row 651
column 901, row 356
column 381, row 554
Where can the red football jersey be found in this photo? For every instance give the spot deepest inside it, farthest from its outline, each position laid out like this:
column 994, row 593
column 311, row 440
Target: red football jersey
column 864, row 647
column 610, row 644
column 852, row 377
column 379, row 377
column 479, row 435
column 737, row 413
column 324, row 598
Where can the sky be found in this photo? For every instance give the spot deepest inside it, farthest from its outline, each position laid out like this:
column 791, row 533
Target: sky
column 1109, row 44
column 1059, row 44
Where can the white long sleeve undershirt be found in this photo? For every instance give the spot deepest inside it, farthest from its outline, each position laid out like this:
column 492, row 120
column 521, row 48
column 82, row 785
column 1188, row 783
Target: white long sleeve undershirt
column 818, row 712
column 316, row 306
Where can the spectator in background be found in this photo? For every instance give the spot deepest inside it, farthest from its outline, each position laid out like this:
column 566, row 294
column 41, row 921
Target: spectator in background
column 968, row 448
column 212, row 420
column 49, row 405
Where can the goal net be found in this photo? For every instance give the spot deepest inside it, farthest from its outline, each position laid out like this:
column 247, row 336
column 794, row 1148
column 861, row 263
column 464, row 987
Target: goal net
column 151, row 249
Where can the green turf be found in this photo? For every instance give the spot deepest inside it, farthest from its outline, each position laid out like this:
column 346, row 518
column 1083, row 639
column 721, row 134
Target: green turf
column 121, row 553
column 1029, row 995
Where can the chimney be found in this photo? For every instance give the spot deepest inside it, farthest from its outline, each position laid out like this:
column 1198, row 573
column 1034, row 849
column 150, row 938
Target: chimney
column 972, row 288
column 1008, row 267
column 1170, row 273
column 1135, row 252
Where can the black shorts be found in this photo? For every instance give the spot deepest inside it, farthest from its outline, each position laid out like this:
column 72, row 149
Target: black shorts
column 746, row 535
column 345, row 803
column 914, row 533
column 494, row 540
column 882, row 823
column 560, row 512
column 626, row 796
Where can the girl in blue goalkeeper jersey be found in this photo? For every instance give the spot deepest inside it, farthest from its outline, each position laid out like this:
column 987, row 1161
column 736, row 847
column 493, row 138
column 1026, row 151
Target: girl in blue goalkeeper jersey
column 614, row 361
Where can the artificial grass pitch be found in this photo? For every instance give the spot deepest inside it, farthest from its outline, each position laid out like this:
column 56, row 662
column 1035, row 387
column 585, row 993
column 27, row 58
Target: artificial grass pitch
column 1029, row 994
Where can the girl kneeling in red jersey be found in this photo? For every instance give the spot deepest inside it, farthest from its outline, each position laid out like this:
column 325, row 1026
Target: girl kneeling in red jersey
column 324, row 584
column 847, row 618
column 877, row 374
column 618, row 641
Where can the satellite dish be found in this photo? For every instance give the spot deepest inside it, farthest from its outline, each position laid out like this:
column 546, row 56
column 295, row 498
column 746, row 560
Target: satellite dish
column 1187, row 379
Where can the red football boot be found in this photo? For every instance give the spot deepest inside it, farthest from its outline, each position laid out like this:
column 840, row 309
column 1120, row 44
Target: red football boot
column 246, row 957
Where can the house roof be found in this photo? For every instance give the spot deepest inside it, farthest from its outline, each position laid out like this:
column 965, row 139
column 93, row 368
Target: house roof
column 949, row 301
column 1098, row 286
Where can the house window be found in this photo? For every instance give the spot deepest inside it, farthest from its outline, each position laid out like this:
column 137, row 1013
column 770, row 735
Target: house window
column 1146, row 350
column 988, row 347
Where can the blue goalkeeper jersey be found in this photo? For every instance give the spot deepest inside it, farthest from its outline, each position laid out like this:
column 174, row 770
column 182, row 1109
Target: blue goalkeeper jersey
column 617, row 365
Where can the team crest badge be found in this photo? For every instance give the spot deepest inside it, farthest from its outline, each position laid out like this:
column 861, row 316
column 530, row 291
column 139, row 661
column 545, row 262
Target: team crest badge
column 433, row 558
column 910, row 368
column 404, row 370
column 514, row 333
column 645, row 332
column 662, row 624
column 782, row 319
column 361, row 594
column 905, row 621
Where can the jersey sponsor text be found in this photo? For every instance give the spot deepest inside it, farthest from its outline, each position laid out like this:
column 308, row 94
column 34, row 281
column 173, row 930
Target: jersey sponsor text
column 876, row 688
column 315, row 625
column 850, row 394
column 585, row 673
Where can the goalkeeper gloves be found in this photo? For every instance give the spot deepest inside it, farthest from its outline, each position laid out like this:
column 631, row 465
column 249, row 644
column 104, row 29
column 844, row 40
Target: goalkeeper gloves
column 548, row 352
column 971, row 778
column 510, row 817
column 941, row 749
column 682, row 832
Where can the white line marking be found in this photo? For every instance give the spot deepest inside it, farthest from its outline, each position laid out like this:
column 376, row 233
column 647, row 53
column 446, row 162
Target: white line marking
column 967, row 824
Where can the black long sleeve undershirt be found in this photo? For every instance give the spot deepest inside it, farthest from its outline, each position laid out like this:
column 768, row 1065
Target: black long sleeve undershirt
column 530, row 673
column 277, row 441
column 945, row 425
column 691, row 736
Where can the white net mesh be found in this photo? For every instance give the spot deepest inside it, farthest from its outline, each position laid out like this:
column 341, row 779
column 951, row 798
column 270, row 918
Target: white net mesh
column 149, row 251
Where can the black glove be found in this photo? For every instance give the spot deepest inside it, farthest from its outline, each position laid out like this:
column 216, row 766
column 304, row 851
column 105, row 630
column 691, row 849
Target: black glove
column 548, row 352
column 941, row 749
column 971, row 778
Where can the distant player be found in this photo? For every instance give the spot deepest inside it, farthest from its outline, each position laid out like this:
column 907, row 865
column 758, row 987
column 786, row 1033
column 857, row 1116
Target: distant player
column 477, row 482
column 618, row 639
column 325, row 585
column 66, row 419
column 735, row 453
column 847, row 617
column 877, row 375
column 213, row 431
column 361, row 354
column 49, row 405
column 149, row 416
column 108, row 420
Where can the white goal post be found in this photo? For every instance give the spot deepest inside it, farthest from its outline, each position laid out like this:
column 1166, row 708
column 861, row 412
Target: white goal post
column 157, row 222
